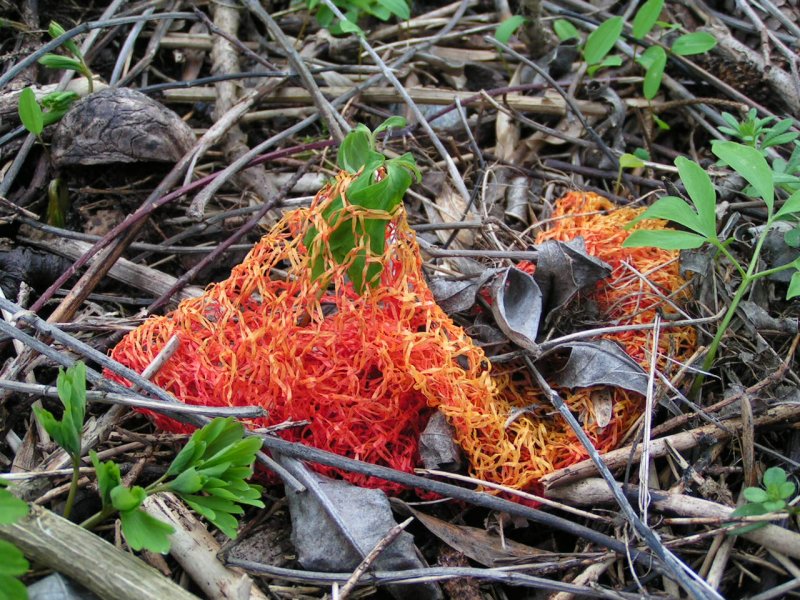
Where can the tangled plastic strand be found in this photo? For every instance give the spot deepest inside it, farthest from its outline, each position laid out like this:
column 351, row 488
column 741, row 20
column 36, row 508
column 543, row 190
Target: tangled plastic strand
column 366, row 371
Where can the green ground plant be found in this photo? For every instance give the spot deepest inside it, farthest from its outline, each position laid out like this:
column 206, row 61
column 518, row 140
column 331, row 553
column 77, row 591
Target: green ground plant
column 210, row 473
column 12, row 561
column 699, row 217
column 74, row 62
column 355, row 11
column 358, row 155
column 772, row 497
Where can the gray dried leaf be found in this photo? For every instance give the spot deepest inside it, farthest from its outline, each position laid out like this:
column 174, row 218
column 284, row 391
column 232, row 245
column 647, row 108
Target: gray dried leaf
column 437, row 450
column 58, row 587
column 763, row 321
column 119, row 125
column 477, row 544
column 517, row 307
column 601, row 362
column 563, row 269
column 457, row 296
column 321, row 545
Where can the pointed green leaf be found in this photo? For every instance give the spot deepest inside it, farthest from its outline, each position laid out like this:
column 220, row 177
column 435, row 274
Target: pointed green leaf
column 56, row 61
column 108, row 477
column 673, row 209
column 507, row 28
column 398, row 8
column 655, row 60
column 12, row 561
column 354, row 150
column 665, row 239
column 12, row 588
column 693, row 43
column 565, row 30
column 143, row 531
column 790, row 207
column 55, row 30
column 30, row 113
column 702, row 193
column 750, row 164
column 188, row 482
column 601, row 40
column 393, row 122
column 646, row 18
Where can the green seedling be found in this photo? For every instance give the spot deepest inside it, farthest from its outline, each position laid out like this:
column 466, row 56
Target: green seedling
column 12, row 561
column 698, row 217
column 355, row 11
column 380, row 195
column 770, row 498
column 35, row 116
column 67, row 432
column 74, row 62
column 759, row 133
column 627, row 161
column 210, row 474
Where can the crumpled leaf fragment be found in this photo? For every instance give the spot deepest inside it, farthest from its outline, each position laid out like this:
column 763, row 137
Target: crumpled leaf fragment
column 437, row 449
column 600, row 362
column 517, row 307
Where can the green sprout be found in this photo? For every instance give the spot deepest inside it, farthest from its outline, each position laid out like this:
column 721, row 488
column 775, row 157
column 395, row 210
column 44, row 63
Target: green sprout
column 770, row 498
column 74, row 62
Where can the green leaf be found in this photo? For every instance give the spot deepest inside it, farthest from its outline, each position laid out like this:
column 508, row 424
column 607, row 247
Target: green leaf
column 399, row 8
column 672, row 209
column 56, row 30
column 188, row 482
column 127, row 499
column 347, row 26
column 56, row 61
column 393, row 122
column 12, row 588
column 655, row 60
column 794, row 286
column 641, row 154
column 565, row 30
column 774, row 476
column 750, row 510
column 786, row 490
column 754, row 494
column 354, row 150
column 661, row 123
column 792, row 238
column 601, row 40
column 108, row 477
column 12, row 561
column 790, row 207
column 702, row 193
column 143, row 531
column 187, row 457
column 30, row 113
column 12, row 509
column 646, row 18
column 630, row 161
column 507, row 28
column 613, row 60
column 774, row 505
column 665, row 239
column 693, row 43
column 751, row 165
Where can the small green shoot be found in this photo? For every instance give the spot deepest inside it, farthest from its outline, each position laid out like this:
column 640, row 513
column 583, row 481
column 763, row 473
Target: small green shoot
column 74, row 62
column 758, row 133
column 565, row 30
column 508, row 27
column 699, row 218
column 12, row 561
column 627, row 161
column 601, row 41
column 770, row 498
column 67, row 432
column 34, row 119
column 355, row 10
column 378, row 188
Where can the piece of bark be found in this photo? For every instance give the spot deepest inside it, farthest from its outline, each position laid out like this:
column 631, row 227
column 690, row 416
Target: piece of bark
column 119, row 125
column 112, row 574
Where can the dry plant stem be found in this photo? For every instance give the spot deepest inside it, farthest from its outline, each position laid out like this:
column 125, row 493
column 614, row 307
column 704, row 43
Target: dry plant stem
column 137, row 401
column 620, row 457
column 225, row 60
column 371, row 557
column 644, row 464
column 336, row 124
column 567, row 98
column 458, row 181
column 223, row 176
column 682, row 574
column 196, row 551
column 411, row 576
column 107, row 571
column 125, row 52
column 594, row 491
column 590, row 575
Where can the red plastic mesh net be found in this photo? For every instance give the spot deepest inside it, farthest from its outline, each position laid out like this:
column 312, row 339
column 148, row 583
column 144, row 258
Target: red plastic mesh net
column 367, row 370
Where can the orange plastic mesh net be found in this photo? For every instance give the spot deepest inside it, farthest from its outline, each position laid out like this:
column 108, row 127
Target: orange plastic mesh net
column 367, row 370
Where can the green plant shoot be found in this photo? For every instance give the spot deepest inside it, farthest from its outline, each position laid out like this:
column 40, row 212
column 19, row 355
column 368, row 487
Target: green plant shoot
column 699, row 218
column 355, row 10
column 75, row 62
column 358, row 156
column 770, row 498
column 67, row 432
